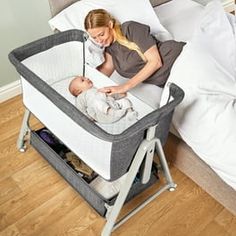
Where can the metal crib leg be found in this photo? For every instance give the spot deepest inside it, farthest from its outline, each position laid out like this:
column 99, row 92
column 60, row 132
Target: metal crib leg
column 164, row 166
column 146, row 149
column 115, row 210
column 23, row 131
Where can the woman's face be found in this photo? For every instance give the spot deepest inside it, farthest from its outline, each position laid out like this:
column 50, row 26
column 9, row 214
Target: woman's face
column 102, row 35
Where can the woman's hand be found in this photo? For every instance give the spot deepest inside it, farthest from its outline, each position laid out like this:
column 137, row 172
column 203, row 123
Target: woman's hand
column 121, row 89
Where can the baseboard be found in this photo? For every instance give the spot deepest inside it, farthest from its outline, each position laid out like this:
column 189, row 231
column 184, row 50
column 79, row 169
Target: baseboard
column 10, row 90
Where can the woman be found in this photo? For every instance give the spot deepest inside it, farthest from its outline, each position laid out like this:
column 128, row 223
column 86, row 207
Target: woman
column 131, row 50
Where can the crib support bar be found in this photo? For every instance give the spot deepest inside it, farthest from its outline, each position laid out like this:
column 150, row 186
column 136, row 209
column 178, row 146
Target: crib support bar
column 23, row 131
column 164, row 164
column 140, row 206
column 142, row 153
column 113, row 214
column 147, row 164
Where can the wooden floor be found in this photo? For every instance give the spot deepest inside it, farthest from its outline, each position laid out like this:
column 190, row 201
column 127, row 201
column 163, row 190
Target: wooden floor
column 36, row 200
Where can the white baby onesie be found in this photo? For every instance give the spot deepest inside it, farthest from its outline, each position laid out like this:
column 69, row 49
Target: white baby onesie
column 105, row 109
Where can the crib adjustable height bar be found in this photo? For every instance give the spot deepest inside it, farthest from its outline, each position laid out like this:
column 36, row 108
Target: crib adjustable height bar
column 85, row 36
column 144, row 153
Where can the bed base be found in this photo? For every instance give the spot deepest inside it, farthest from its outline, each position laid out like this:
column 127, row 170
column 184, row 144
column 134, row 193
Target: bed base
column 143, row 161
column 187, row 161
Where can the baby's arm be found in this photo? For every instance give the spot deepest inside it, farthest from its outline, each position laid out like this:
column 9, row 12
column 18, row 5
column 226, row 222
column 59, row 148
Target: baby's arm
column 125, row 103
column 109, row 110
column 126, row 109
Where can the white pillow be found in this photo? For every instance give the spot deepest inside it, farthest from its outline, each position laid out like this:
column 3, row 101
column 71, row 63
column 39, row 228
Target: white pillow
column 180, row 19
column 137, row 10
column 216, row 35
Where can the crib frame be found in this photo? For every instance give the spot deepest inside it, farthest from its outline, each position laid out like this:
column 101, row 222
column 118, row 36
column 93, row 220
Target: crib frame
column 155, row 130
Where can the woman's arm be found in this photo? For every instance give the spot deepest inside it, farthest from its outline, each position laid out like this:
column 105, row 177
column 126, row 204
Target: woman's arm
column 153, row 64
column 107, row 67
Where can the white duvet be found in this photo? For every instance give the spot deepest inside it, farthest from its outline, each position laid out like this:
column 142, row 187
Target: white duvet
column 206, row 71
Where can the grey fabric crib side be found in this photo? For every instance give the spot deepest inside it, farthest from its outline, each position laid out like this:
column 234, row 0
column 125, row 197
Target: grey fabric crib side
column 124, row 145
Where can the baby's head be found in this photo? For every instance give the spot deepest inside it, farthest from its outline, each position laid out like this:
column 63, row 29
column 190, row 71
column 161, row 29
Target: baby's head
column 79, row 84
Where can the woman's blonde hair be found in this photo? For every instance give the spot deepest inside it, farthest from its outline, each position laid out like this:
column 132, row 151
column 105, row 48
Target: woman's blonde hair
column 101, row 18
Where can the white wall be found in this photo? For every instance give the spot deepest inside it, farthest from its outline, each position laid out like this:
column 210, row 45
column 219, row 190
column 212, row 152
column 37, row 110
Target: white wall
column 21, row 21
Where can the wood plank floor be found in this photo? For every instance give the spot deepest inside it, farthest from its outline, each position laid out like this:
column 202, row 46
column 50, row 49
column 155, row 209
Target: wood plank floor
column 36, row 200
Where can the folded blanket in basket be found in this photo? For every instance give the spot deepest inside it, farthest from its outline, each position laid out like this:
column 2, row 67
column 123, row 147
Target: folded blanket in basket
column 107, row 189
column 78, row 164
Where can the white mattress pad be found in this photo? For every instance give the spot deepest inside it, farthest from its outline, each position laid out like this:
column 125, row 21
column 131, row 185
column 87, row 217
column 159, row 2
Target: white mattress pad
column 99, row 80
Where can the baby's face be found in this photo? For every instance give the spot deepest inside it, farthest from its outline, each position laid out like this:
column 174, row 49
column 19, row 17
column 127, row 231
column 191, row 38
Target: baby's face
column 83, row 84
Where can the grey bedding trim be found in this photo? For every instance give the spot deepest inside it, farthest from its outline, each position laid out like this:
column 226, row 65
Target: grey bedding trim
column 158, row 2
column 58, row 5
column 21, row 53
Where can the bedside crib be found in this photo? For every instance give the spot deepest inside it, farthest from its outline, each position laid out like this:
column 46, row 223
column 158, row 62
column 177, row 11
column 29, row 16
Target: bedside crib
column 130, row 152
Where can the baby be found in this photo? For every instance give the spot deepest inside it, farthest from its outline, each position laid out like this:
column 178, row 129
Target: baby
column 99, row 106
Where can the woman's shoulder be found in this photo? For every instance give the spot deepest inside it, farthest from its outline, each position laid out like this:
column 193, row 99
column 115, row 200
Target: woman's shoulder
column 130, row 26
column 132, row 23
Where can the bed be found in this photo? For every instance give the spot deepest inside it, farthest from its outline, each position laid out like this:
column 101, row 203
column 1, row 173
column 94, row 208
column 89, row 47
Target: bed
column 181, row 20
